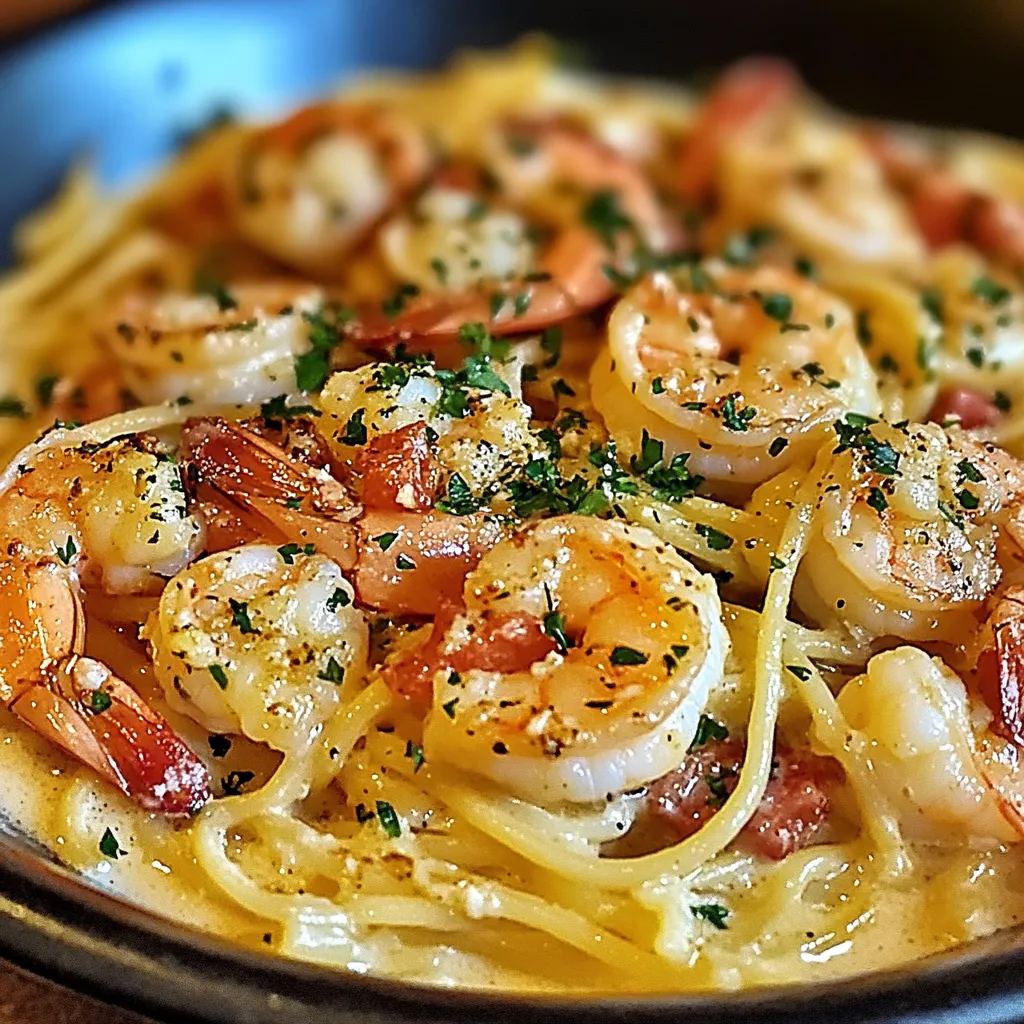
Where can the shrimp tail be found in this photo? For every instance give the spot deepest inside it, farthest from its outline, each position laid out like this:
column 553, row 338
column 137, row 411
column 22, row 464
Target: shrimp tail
column 294, row 500
column 108, row 727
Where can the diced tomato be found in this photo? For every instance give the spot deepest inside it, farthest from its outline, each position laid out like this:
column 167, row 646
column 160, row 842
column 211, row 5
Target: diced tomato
column 794, row 806
column 397, row 471
column 972, row 408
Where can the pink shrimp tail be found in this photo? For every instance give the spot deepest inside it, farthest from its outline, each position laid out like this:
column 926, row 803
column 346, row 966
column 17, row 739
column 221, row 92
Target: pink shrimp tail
column 128, row 743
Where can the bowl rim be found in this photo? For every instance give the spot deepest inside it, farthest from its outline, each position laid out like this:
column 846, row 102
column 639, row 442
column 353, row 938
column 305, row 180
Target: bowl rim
column 55, row 923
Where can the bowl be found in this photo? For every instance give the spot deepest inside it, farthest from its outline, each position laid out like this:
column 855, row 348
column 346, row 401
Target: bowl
column 126, row 81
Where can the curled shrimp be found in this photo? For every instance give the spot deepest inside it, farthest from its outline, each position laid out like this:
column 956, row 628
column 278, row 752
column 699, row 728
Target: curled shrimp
column 742, row 370
column 945, row 208
column 259, row 640
column 308, row 189
column 238, row 345
column 110, row 517
column 576, row 665
column 906, row 539
column 465, row 255
column 774, row 162
column 932, row 751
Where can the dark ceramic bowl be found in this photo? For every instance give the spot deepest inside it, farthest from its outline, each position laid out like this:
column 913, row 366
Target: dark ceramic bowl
column 127, row 80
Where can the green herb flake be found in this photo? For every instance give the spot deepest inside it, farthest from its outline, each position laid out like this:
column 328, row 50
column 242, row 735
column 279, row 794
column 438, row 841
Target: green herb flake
column 449, row 707
column 714, row 913
column 627, row 656
column 332, row 672
column 554, row 627
column 99, row 701
column 220, row 677
column 990, row 291
column 240, row 616
column 800, row 671
column 877, row 500
column 403, row 563
column 414, row 752
column 707, row 730
column 733, row 418
column 219, row 745
column 385, row 540
column 715, row 539
column 388, row 819
column 10, row 406
column 968, row 499
column 339, row 599
column 355, row 430
column 66, row 553
column 777, row 305
column 110, row 847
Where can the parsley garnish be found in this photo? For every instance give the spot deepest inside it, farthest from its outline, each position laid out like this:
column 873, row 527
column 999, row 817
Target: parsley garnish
column 66, row 553
column 777, row 305
column 99, row 701
column 855, row 434
column 708, row 729
column 289, row 551
column 551, row 342
column 449, row 708
column 388, row 819
column 733, row 418
column 459, row 500
column 220, row 677
column 604, row 217
column 385, row 540
column 277, row 409
column 876, row 499
column 713, row 913
column 802, row 673
column 110, row 847
column 240, row 616
column 990, row 291
column 332, row 672
column 395, row 303
column 339, row 599
column 414, row 752
column 12, row 406
column 628, row 656
column 716, row 540
column 554, row 627
column 355, row 429
column 219, row 745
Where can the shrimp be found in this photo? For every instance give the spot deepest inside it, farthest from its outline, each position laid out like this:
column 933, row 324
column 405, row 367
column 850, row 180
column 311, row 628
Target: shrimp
column 466, row 255
column 308, row 189
column 748, row 91
column 109, row 517
column 932, row 751
column 906, row 539
column 742, row 370
column 259, row 640
column 576, row 665
column 775, row 164
column 945, row 208
column 405, row 554
column 238, row 345
column 982, row 343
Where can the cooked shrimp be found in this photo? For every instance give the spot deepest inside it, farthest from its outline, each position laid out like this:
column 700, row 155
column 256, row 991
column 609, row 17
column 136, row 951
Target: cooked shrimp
column 310, row 188
column 107, row 516
column 742, row 370
column 982, row 310
column 466, row 255
column 947, row 775
column 239, row 345
column 748, row 91
column 577, row 665
column 905, row 539
column 258, row 640
column 403, row 432
column 947, row 209
column 403, row 562
column 777, row 164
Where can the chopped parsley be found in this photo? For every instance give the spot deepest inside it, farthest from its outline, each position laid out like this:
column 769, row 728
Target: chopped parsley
column 99, row 701
column 733, row 418
column 715, row 539
column 395, row 303
column 628, row 656
column 877, row 500
column 990, row 291
column 339, row 599
column 289, row 551
column 554, row 627
column 551, row 342
column 449, row 707
column 207, row 284
column 440, row 269
column 968, row 499
column 777, row 305
column 708, row 729
column 414, row 752
column 240, row 616
column 278, row 409
column 388, row 819
column 385, row 540
column 66, row 553
column 603, row 215
column 968, row 471
column 458, row 500
column 854, row 434
column 402, row 562
column 355, row 430
column 332, row 672
column 220, row 677
column 110, row 847
column 714, row 913
column 800, row 671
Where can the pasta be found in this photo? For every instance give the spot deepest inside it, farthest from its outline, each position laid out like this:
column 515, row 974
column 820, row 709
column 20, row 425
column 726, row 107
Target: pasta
column 512, row 528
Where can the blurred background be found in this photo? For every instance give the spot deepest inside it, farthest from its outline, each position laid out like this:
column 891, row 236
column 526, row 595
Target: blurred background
column 126, row 81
